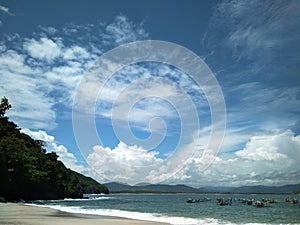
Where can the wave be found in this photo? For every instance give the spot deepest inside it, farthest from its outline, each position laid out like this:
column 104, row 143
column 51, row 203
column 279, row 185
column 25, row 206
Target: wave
column 141, row 216
column 90, row 198
column 87, row 199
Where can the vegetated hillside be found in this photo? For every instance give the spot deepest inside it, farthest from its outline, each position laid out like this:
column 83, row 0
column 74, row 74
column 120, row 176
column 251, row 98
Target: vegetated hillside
column 150, row 188
column 28, row 172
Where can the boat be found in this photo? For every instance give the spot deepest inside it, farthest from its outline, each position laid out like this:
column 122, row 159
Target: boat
column 249, row 201
column 295, row 201
column 259, row 204
column 191, row 200
column 292, row 200
column 222, row 201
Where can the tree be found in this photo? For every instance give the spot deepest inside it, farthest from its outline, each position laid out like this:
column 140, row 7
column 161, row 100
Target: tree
column 28, row 172
column 4, row 106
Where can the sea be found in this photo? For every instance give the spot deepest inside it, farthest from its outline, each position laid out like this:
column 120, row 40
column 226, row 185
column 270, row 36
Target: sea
column 174, row 208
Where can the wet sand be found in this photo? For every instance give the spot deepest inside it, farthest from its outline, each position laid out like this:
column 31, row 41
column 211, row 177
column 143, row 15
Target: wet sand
column 18, row 214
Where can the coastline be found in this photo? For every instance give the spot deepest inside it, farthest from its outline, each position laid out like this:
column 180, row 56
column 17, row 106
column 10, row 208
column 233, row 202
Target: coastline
column 13, row 213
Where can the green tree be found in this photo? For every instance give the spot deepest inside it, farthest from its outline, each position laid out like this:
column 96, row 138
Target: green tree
column 4, row 106
column 28, row 172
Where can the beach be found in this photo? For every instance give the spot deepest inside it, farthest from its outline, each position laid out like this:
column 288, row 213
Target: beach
column 12, row 213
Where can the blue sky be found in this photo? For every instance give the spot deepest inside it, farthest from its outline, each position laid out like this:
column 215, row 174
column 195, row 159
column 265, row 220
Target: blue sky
column 251, row 48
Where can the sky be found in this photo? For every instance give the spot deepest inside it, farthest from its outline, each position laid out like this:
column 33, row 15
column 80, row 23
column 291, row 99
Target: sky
column 203, row 93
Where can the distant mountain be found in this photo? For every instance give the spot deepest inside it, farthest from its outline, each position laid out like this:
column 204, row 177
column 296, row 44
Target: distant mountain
column 254, row 189
column 164, row 188
column 150, row 188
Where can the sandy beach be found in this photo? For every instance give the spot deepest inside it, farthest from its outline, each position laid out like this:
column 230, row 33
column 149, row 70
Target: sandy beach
column 11, row 213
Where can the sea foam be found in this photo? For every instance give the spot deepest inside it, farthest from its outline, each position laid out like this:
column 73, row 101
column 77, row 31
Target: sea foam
column 140, row 216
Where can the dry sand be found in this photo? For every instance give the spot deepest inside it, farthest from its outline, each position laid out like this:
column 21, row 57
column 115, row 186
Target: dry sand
column 18, row 214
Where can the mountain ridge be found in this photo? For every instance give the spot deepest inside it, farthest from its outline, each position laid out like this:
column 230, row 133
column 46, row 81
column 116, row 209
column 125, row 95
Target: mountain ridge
column 154, row 188
column 116, row 187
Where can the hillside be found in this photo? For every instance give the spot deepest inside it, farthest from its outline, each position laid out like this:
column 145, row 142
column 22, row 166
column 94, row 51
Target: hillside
column 150, row 188
column 28, row 172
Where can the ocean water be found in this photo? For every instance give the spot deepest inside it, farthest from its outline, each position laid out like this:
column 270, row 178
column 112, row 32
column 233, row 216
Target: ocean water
column 173, row 208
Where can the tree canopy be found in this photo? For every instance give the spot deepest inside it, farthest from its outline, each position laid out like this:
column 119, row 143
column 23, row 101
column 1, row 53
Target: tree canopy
column 28, row 172
column 4, row 106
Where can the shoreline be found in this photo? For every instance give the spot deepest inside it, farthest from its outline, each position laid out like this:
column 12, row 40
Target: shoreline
column 14, row 213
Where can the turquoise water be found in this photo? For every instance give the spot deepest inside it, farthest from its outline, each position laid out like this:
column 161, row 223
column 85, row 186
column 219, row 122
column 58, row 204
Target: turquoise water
column 174, row 209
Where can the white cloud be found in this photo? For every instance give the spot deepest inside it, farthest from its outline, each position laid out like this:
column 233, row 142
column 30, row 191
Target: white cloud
column 41, row 73
column 238, row 25
column 147, row 101
column 255, row 40
column 12, row 61
column 123, row 31
column 49, row 30
column 72, row 29
column 282, row 146
column 76, row 52
column 39, row 135
column 146, row 98
column 123, row 163
column 139, row 93
column 258, row 108
column 29, row 89
column 64, row 155
column 4, row 10
column 20, row 85
column 45, row 49
column 265, row 160
column 134, row 164
column 235, row 137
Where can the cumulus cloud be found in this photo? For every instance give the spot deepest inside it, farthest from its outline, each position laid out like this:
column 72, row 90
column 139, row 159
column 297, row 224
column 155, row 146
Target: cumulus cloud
column 45, row 49
column 133, row 164
column 278, row 147
column 123, row 163
column 267, row 159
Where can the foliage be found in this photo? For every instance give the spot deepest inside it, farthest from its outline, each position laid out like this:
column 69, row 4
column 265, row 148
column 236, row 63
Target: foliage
column 28, row 172
column 4, row 106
